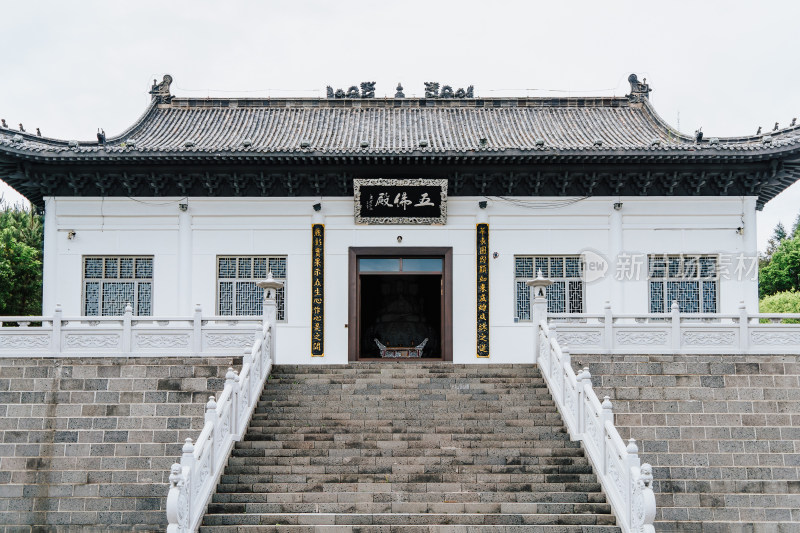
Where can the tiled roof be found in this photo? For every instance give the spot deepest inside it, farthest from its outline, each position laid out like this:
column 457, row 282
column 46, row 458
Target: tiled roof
column 397, row 126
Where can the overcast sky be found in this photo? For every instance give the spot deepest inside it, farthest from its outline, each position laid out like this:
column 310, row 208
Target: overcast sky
column 728, row 66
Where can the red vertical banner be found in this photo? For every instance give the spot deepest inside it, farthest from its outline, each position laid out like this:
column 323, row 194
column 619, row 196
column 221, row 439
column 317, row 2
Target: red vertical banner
column 317, row 290
column 482, row 287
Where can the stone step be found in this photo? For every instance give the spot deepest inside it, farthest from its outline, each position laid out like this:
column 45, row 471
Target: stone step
column 498, row 407
column 543, row 456
column 404, row 418
column 467, row 387
column 433, row 402
column 501, row 404
column 544, row 477
column 407, row 519
column 434, row 426
column 301, row 449
column 251, row 467
column 421, row 385
column 410, row 529
column 288, row 424
column 404, row 447
column 548, row 486
column 433, row 367
column 432, row 497
column 411, row 507
column 371, row 440
column 406, row 377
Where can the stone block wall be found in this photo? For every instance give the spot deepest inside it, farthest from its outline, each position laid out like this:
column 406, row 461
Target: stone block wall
column 86, row 444
column 722, row 433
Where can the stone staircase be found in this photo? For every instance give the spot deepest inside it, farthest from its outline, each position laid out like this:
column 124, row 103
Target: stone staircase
column 379, row 447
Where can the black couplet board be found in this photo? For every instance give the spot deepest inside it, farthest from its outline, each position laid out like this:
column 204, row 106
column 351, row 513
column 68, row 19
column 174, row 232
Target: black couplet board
column 482, row 287
column 398, row 201
column 317, row 290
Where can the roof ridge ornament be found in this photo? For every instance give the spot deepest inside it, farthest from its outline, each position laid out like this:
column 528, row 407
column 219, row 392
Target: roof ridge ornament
column 432, row 91
column 367, row 91
column 160, row 91
column 640, row 91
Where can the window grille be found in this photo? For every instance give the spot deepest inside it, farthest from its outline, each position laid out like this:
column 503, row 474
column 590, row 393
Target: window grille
column 111, row 282
column 237, row 292
column 691, row 280
column 565, row 295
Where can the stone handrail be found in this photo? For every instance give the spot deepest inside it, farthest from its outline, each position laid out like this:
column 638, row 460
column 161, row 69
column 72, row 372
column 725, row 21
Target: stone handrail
column 627, row 483
column 678, row 333
column 192, row 481
column 129, row 335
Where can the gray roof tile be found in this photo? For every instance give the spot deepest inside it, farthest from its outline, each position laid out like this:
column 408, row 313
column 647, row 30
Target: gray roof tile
column 395, row 126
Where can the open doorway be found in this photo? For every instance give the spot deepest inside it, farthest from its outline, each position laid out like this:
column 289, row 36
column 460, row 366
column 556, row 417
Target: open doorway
column 400, row 304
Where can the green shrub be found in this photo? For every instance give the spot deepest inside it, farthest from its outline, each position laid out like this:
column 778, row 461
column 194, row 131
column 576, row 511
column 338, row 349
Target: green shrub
column 782, row 302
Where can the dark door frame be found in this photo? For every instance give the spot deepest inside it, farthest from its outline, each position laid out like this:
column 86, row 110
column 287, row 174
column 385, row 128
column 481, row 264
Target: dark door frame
column 353, row 324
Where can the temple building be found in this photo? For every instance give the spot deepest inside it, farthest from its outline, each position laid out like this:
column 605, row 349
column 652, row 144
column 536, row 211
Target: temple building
column 401, row 227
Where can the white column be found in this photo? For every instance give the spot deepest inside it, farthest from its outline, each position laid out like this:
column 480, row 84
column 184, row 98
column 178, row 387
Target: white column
column 615, row 245
column 750, row 245
column 50, row 267
column 184, row 307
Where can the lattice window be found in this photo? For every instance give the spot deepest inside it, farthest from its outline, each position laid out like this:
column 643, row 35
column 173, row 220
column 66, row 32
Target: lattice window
column 111, row 282
column 565, row 295
column 691, row 280
column 237, row 292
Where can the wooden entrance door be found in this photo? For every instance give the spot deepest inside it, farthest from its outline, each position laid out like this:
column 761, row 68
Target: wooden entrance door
column 403, row 298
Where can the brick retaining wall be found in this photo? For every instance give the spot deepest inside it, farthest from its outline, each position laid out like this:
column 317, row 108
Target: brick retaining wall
column 722, row 432
column 88, row 442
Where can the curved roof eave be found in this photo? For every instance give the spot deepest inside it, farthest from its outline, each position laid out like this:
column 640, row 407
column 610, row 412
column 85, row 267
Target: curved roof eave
column 131, row 155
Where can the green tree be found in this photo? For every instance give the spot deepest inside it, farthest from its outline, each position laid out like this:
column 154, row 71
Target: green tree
column 795, row 227
column 782, row 273
column 778, row 236
column 21, row 243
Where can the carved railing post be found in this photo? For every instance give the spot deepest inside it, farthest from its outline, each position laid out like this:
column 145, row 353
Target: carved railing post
column 270, row 286
column 583, row 378
column 744, row 328
column 550, row 351
column 232, row 381
column 55, row 339
column 566, row 362
column 185, row 495
column 676, row 327
column 607, row 415
column 255, row 362
column 126, row 328
column 649, row 499
column 608, row 326
column 211, row 418
column 633, row 474
column 177, row 512
column 197, row 329
column 538, row 287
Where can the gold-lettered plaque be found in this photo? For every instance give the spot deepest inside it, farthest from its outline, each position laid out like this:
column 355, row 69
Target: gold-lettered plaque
column 317, row 290
column 482, row 285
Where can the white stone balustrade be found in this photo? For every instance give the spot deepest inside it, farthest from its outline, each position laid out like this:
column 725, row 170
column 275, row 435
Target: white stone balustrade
column 127, row 335
column 678, row 333
column 627, row 483
column 192, row 481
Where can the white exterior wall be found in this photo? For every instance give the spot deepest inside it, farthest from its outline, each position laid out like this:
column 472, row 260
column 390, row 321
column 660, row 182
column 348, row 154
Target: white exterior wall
column 187, row 244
